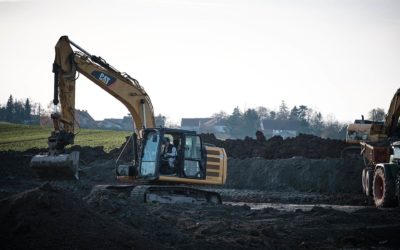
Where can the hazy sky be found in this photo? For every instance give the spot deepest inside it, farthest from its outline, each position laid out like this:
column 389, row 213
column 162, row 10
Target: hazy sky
column 197, row 57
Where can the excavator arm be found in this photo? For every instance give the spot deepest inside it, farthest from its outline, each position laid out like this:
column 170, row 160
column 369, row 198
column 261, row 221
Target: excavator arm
column 120, row 85
column 123, row 87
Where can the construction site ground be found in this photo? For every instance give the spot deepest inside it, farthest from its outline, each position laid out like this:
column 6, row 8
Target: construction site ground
column 290, row 200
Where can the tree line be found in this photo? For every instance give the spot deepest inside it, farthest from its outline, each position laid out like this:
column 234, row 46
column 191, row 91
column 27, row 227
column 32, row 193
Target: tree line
column 19, row 111
column 302, row 118
column 238, row 124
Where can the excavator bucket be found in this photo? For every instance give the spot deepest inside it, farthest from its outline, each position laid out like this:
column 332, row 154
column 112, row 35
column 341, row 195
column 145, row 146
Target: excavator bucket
column 56, row 167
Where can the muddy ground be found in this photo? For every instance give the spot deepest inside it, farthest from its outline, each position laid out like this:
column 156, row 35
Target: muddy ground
column 35, row 214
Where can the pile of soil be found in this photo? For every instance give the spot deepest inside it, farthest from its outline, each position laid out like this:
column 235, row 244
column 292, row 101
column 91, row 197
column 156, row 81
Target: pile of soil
column 53, row 218
column 15, row 165
column 66, row 215
column 48, row 218
column 90, row 154
column 329, row 176
column 308, row 146
column 296, row 174
column 228, row 227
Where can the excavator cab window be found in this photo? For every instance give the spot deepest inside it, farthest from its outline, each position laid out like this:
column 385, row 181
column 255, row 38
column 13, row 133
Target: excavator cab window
column 149, row 157
column 193, row 157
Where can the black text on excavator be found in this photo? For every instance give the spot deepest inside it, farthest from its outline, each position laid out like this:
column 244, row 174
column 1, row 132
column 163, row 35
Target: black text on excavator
column 195, row 163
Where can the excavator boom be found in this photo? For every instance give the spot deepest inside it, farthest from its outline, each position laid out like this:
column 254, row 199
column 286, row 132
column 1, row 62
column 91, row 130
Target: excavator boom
column 123, row 87
column 120, row 85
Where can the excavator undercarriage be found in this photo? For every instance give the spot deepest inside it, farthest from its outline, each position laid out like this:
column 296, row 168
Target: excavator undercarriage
column 147, row 193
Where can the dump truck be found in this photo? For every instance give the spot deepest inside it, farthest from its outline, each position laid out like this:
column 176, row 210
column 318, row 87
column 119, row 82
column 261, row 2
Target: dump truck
column 380, row 149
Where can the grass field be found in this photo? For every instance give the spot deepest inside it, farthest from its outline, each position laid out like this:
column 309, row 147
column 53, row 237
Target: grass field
column 22, row 137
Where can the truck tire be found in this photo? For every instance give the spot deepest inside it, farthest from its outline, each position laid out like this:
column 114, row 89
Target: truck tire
column 367, row 178
column 383, row 189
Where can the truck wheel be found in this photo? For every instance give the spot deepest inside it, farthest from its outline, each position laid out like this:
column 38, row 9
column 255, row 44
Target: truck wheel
column 383, row 189
column 367, row 177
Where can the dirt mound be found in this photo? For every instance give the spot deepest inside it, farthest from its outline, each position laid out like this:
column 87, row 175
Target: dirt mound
column 56, row 216
column 48, row 218
column 301, row 174
column 308, row 146
column 228, row 227
column 90, row 154
column 15, row 165
column 329, row 175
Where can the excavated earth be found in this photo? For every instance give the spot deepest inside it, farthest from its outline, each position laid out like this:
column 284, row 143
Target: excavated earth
column 265, row 180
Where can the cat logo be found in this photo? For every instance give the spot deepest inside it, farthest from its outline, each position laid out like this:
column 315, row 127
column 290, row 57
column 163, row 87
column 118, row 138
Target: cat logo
column 106, row 79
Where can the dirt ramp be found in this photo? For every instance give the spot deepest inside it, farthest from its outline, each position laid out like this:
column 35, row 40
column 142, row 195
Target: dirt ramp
column 300, row 174
column 48, row 218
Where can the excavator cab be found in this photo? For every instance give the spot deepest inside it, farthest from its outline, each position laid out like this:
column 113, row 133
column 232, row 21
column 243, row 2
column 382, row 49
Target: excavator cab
column 188, row 163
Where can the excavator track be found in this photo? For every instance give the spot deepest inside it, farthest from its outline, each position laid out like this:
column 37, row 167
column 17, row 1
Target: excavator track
column 173, row 195
column 138, row 194
column 157, row 194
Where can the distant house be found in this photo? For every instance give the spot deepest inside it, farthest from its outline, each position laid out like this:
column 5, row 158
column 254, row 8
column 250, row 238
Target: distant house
column 84, row 119
column 125, row 123
column 217, row 126
column 45, row 121
column 112, row 124
column 193, row 124
column 283, row 128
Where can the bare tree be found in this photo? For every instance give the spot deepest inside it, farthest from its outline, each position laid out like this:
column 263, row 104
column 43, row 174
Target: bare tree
column 263, row 112
column 376, row 114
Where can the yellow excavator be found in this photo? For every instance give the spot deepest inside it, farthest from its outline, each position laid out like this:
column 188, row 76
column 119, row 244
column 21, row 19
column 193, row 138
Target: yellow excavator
column 153, row 177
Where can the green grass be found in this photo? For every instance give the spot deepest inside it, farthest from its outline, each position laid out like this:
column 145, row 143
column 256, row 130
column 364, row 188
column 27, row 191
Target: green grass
column 22, row 137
